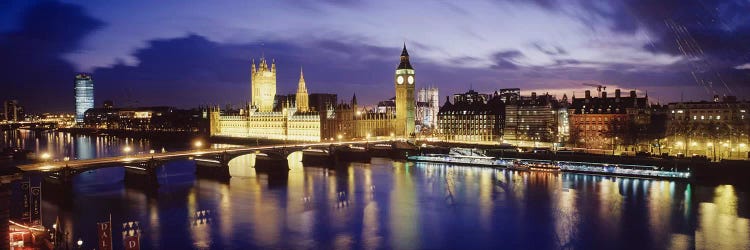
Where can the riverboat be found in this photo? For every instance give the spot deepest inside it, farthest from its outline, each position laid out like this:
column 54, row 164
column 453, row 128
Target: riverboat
column 457, row 159
column 622, row 170
column 519, row 166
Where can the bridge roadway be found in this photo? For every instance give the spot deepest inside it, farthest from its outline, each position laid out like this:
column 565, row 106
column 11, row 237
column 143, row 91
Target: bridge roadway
column 83, row 165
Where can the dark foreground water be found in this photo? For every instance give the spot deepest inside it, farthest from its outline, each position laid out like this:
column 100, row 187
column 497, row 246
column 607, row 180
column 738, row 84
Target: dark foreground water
column 398, row 205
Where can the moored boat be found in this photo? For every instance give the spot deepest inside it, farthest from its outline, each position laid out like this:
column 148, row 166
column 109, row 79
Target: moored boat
column 544, row 166
column 520, row 166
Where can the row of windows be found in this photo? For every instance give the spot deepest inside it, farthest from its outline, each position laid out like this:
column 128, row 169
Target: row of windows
column 463, row 117
column 595, row 119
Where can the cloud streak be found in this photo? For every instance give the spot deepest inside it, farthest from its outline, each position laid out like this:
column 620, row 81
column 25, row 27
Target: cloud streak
column 352, row 46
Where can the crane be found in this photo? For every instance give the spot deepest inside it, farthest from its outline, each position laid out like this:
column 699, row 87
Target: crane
column 599, row 87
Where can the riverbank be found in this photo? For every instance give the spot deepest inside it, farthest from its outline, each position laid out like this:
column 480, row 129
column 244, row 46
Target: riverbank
column 702, row 170
column 138, row 134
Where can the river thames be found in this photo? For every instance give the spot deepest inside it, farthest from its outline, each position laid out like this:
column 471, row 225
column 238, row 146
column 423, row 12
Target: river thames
column 387, row 204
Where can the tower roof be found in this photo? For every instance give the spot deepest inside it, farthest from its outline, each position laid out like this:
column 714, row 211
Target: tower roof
column 404, row 59
column 301, row 86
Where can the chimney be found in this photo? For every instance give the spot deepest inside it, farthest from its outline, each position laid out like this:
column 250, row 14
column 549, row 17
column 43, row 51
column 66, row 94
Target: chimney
column 632, row 94
column 604, row 94
column 588, row 94
column 617, row 93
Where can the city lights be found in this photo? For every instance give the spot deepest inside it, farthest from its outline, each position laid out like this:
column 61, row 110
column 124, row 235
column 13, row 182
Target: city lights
column 534, row 125
column 127, row 150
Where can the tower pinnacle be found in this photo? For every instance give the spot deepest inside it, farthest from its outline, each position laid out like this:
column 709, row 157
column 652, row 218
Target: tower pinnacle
column 405, row 64
column 301, row 97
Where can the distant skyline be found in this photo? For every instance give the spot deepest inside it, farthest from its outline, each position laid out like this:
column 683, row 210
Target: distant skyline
column 191, row 53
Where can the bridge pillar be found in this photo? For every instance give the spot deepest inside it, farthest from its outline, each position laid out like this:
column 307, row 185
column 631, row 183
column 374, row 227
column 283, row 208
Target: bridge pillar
column 59, row 183
column 213, row 166
column 351, row 154
column 142, row 174
column 272, row 161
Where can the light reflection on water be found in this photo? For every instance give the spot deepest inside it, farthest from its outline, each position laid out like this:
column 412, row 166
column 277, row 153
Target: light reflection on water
column 387, row 204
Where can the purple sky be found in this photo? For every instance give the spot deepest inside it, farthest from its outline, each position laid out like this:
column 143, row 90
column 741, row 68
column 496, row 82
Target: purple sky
column 190, row 53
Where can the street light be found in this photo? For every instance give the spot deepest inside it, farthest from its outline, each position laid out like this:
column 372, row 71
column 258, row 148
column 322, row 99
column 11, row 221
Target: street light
column 79, row 243
column 198, row 144
column 46, row 156
column 127, row 150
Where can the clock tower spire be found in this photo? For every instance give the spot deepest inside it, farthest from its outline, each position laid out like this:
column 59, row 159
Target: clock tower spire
column 404, row 82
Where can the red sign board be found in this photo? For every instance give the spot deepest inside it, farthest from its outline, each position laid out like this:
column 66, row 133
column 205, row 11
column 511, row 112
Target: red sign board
column 131, row 242
column 104, row 231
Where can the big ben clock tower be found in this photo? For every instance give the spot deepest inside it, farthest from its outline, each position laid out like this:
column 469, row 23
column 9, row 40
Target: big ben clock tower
column 405, row 110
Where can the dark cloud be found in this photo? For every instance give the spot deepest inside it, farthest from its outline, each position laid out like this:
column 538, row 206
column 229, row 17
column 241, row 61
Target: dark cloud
column 712, row 34
column 549, row 50
column 31, row 63
column 192, row 70
column 506, row 59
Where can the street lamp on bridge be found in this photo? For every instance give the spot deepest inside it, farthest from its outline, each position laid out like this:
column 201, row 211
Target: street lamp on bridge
column 127, row 150
column 45, row 156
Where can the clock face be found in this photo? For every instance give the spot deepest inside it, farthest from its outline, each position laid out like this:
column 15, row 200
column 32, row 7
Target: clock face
column 411, row 79
column 400, row 80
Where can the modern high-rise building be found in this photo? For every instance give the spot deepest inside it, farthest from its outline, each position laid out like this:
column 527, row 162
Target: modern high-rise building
column 84, row 91
column 12, row 111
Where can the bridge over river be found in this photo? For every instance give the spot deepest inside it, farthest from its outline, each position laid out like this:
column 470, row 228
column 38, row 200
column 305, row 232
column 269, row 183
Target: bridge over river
column 140, row 169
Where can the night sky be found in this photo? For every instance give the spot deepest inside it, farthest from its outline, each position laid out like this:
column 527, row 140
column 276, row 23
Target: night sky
column 191, row 53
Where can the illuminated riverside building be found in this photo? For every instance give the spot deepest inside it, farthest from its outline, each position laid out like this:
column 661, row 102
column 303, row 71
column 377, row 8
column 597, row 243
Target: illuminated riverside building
column 606, row 122
column 84, row 93
column 471, row 119
column 717, row 129
column 262, row 120
column 12, row 111
column 428, row 106
column 315, row 117
column 145, row 119
column 534, row 120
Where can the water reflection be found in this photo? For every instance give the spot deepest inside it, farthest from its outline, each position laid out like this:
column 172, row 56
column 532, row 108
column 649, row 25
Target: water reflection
column 399, row 205
column 719, row 226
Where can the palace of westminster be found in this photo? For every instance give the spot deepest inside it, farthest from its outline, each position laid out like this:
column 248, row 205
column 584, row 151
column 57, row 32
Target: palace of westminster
column 318, row 117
